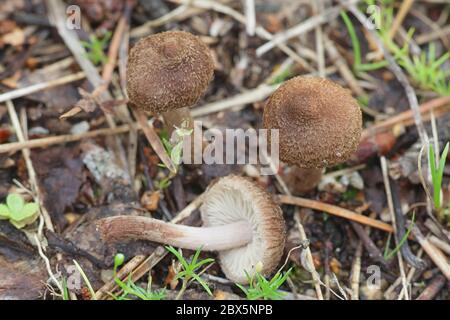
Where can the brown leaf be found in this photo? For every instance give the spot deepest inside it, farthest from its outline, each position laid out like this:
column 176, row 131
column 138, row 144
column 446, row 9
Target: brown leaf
column 170, row 279
column 60, row 173
column 150, row 200
column 15, row 37
column 21, row 280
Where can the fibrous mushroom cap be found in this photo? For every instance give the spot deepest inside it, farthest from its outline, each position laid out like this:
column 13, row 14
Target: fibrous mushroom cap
column 319, row 122
column 167, row 71
column 233, row 199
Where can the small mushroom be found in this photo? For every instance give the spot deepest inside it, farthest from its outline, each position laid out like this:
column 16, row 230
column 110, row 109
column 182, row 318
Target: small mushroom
column 240, row 221
column 319, row 122
column 167, row 73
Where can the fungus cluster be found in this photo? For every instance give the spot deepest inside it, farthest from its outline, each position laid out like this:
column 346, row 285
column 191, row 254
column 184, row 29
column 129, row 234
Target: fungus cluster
column 319, row 122
column 319, row 125
column 167, row 73
column 240, row 221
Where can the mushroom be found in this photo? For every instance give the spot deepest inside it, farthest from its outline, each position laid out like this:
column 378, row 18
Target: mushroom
column 319, row 123
column 240, row 221
column 167, row 73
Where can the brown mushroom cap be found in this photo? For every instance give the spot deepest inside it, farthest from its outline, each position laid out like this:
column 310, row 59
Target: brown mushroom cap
column 233, row 199
column 167, row 71
column 320, row 122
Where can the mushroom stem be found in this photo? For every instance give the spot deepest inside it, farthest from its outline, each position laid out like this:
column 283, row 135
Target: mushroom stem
column 229, row 236
column 301, row 180
column 180, row 118
column 154, row 140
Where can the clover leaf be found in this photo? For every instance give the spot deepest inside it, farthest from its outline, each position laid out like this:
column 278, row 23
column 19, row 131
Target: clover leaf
column 4, row 212
column 18, row 212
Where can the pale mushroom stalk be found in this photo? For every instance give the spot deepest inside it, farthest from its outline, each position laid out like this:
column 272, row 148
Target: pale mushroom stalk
column 302, row 180
column 225, row 237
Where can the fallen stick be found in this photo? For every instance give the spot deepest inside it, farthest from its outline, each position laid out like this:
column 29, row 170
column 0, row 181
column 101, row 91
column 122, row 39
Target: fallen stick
column 433, row 288
column 48, row 141
column 405, row 116
column 18, row 93
column 436, row 255
column 334, row 210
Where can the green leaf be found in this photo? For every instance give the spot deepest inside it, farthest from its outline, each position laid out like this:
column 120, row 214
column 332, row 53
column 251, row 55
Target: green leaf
column 177, row 254
column 354, row 39
column 202, row 283
column 205, row 261
column 28, row 211
column 15, row 204
column 437, row 173
column 17, row 224
column 4, row 212
column 182, row 132
column 175, row 154
column 391, row 254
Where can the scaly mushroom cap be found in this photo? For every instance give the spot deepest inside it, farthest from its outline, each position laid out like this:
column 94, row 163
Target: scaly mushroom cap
column 319, row 121
column 167, row 71
column 233, row 199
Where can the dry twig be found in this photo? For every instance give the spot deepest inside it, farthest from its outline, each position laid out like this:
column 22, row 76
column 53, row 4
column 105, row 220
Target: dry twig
column 334, row 210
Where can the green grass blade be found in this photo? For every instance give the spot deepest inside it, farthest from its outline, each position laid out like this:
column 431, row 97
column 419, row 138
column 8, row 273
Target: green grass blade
column 179, row 256
column 86, row 280
column 354, row 38
column 402, row 240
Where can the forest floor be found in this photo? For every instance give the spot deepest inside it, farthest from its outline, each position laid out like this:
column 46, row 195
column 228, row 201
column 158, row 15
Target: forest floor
column 376, row 227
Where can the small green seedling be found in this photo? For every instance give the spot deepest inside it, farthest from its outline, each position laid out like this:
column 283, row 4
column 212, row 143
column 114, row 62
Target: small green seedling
column 175, row 150
column 65, row 291
column 130, row 289
column 190, row 268
column 96, row 47
column 425, row 69
column 163, row 183
column 389, row 254
column 358, row 66
column 437, row 174
column 261, row 288
column 18, row 212
column 436, row 178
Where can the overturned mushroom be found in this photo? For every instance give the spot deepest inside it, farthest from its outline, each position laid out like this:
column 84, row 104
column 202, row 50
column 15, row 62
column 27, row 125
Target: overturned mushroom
column 240, row 219
column 319, row 123
column 167, row 73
